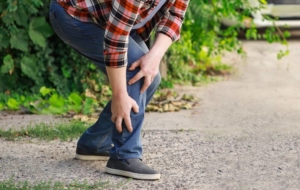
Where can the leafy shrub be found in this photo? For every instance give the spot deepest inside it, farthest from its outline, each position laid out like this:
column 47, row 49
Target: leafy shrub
column 33, row 57
column 204, row 39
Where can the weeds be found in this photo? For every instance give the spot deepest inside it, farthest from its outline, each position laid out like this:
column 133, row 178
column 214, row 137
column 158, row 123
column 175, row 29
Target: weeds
column 11, row 184
column 63, row 131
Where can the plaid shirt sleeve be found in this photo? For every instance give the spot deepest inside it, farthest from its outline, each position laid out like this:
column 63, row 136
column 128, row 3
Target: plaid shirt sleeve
column 171, row 23
column 121, row 19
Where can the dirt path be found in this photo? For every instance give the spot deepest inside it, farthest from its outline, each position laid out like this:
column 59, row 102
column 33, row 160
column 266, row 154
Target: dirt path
column 262, row 97
column 245, row 134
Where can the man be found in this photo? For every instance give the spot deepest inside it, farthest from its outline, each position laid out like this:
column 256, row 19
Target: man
column 111, row 33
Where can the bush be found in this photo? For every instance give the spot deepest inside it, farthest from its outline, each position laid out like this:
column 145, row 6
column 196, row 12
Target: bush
column 33, row 56
column 204, row 40
column 36, row 61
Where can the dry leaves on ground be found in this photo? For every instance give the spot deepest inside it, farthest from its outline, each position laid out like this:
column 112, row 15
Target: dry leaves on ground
column 163, row 101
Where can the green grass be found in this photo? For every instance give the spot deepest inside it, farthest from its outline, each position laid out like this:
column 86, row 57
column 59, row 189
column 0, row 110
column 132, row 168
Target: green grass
column 62, row 131
column 11, row 184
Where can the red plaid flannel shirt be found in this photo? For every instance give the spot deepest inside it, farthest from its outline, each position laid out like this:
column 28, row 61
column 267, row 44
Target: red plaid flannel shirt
column 118, row 16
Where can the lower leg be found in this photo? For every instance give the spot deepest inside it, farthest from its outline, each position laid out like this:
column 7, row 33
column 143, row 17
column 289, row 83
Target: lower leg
column 125, row 157
column 100, row 137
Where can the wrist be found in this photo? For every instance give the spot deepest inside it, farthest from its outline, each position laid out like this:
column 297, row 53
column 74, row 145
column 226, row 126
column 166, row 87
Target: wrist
column 119, row 93
column 156, row 52
column 161, row 45
column 117, row 80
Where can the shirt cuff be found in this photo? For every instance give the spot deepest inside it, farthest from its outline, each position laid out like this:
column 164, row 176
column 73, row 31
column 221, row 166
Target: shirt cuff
column 170, row 28
column 115, row 60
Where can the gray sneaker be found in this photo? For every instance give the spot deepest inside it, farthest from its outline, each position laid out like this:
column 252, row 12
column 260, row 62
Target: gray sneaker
column 82, row 154
column 133, row 168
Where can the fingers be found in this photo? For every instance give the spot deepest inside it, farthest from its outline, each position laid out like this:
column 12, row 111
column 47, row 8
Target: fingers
column 136, row 77
column 126, row 118
column 147, row 82
column 127, row 121
column 121, row 112
column 134, row 65
column 113, row 119
column 118, row 124
column 135, row 107
column 139, row 75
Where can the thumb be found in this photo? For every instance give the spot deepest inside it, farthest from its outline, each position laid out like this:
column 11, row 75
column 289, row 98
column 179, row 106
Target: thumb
column 135, row 65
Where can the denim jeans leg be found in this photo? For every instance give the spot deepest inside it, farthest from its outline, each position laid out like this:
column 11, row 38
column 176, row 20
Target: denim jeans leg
column 128, row 145
column 87, row 39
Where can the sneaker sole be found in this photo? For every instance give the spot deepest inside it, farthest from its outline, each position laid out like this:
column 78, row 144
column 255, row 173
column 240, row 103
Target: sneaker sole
column 91, row 158
column 132, row 175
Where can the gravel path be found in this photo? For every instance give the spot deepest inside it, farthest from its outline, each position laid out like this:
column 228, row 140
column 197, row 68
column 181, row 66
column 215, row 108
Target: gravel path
column 245, row 134
column 187, row 160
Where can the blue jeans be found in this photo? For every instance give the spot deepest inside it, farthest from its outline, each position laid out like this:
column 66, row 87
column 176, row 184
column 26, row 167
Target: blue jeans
column 87, row 39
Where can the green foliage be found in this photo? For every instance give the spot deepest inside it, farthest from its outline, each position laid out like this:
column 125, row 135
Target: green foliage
column 8, row 65
column 164, row 84
column 62, row 131
column 12, row 104
column 42, row 74
column 32, row 56
column 49, row 101
column 204, row 39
